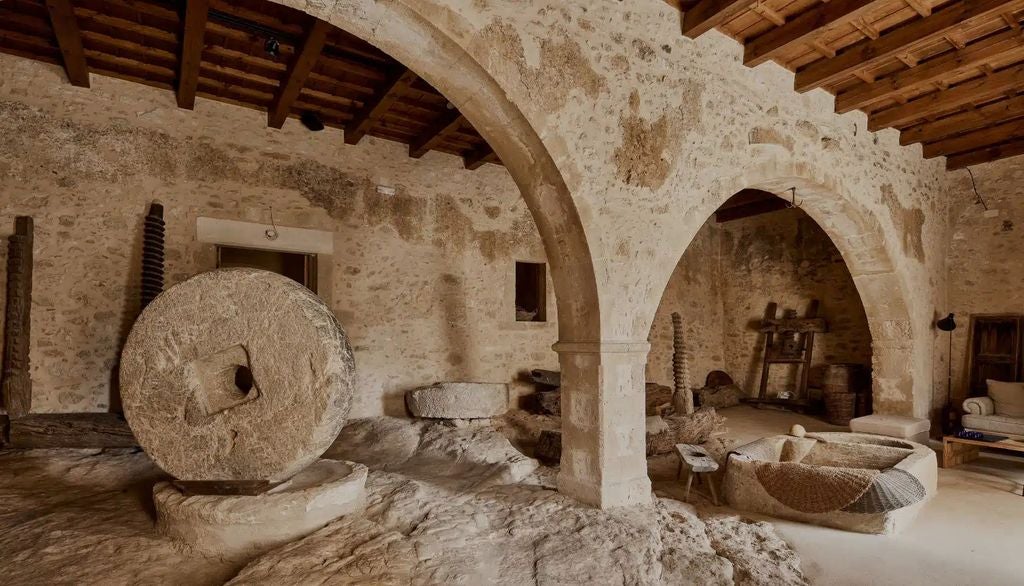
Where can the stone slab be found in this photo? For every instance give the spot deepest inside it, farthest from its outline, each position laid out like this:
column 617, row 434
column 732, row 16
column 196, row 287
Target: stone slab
column 241, row 527
column 912, row 428
column 236, row 374
column 456, row 400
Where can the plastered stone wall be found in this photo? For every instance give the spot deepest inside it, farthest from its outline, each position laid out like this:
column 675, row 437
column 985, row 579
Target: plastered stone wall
column 985, row 263
column 422, row 280
column 727, row 277
column 652, row 131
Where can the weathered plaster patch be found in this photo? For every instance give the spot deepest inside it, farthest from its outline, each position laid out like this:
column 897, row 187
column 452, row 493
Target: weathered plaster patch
column 909, row 220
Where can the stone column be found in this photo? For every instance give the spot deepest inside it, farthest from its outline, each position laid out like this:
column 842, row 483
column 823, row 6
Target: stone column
column 604, row 459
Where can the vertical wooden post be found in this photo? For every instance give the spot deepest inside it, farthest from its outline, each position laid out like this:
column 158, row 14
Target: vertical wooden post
column 16, row 388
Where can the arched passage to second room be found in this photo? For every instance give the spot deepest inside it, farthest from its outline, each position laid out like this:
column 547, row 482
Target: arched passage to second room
column 828, row 248
column 760, row 256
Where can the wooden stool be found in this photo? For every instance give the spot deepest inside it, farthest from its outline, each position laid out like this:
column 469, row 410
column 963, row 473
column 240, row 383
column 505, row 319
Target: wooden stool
column 697, row 462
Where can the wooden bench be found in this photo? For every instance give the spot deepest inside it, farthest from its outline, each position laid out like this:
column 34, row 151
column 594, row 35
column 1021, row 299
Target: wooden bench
column 698, row 463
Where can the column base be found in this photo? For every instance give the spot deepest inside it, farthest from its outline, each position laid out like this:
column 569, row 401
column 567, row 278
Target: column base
column 632, row 492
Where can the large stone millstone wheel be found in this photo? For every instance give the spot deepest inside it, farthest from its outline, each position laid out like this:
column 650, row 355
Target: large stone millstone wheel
column 236, row 374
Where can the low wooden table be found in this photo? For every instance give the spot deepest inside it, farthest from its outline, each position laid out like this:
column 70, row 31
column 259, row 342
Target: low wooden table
column 957, row 450
column 697, row 462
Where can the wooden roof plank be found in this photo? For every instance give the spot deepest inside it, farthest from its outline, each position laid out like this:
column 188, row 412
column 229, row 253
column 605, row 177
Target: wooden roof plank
column 804, row 28
column 976, row 140
column 445, row 125
column 298, row 71
column 194, row 27
column 994, row 113
column 709, row 14
column 69, row 40
column 373, row 110
column 938, row 102
column 986, row 155
column 929, row 71
column 873, row 52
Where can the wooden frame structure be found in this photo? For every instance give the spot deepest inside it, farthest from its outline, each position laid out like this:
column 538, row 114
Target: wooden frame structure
column 252, row 53
column 945, row 73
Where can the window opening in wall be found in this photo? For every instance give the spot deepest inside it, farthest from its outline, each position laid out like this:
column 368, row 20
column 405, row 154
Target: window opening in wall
column 296, row 266
column 531, row 289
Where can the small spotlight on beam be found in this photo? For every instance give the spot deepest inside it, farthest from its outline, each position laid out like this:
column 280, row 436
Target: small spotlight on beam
column 311, row 121
column 272, row 47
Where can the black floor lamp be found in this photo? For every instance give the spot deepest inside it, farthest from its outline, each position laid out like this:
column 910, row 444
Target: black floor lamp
column 949, row 415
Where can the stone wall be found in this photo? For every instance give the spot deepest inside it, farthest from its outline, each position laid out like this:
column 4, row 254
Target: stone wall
column 422, row 280
column 985, row 262
column 727, row 277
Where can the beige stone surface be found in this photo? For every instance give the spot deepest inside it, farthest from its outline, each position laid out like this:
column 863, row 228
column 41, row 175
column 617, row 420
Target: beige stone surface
column 452, row 400
column 180, row 387
column 238, row 528
column 984, row 265
column 438, row 256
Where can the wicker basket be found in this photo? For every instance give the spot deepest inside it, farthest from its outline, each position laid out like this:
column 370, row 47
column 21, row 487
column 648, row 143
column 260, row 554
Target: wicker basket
column 840, row 407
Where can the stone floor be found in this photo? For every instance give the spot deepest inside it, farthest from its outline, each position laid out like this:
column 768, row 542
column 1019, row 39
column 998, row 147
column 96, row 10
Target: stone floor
column 444, row 505
column 460, row 505
column 971, row 533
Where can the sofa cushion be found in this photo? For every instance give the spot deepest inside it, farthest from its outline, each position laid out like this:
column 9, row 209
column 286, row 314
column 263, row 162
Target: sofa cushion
column 995, row 424
column 1008, row 397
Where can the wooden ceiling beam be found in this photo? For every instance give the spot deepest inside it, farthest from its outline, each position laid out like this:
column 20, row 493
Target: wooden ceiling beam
column 945, row 65
column 449, row 121
column 299, row 69
column 193, row 29
column 995, row 113
column 756, row 208
column 69, row 40
column 870, row 53
column 977, row 90
column 805, row 27
column 986, row 155
column 709, row 14
column 374, row 109
column 476, row 159
column 976, row 140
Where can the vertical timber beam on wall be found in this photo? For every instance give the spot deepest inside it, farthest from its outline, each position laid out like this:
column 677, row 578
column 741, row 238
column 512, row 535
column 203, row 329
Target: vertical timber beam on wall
column 196, row 13
column 447, row 123
column 17, row 382
column 709, row 14
column 804, row 27
column 65, row 29
column 298, row 71
column 374, row 109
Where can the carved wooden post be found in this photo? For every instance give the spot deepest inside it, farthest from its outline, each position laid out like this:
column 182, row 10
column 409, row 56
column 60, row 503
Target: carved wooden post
column 152, row 255
column 17, row 383
column 682, row 399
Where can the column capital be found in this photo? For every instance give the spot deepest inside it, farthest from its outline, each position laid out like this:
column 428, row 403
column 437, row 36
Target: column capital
column 603, row 347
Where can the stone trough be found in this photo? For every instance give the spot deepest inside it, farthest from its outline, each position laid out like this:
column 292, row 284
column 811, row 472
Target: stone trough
column 850, row 481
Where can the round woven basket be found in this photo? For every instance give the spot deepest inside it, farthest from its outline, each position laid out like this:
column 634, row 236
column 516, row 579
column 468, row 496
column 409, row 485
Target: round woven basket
column 840, row 407
column 840, row 379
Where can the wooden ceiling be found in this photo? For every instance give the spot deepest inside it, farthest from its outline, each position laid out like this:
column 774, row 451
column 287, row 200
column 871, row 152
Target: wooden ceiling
column 251, row 53
column 948, row 74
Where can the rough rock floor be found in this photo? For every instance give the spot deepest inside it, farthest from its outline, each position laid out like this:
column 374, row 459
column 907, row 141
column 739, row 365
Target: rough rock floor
column 445, row 505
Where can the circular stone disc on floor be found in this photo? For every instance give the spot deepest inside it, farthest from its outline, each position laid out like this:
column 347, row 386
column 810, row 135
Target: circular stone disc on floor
column 236, row 374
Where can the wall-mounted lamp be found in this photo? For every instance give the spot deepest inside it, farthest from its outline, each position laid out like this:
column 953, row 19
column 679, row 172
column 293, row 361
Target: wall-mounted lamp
column 949, row 415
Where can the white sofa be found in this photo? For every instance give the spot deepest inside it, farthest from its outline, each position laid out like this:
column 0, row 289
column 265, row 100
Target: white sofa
column 980, row 415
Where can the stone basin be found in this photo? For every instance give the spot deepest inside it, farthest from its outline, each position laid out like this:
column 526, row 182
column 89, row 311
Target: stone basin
column 851, row 481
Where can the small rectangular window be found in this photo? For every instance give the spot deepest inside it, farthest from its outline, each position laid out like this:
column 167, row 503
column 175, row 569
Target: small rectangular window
column 531, row 291
column 296, row 266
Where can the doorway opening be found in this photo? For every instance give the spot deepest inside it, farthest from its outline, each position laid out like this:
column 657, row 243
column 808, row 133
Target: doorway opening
column 299, row 267
column 772, row 319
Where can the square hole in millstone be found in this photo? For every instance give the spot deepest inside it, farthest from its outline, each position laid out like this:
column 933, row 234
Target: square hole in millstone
column 223, row 380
